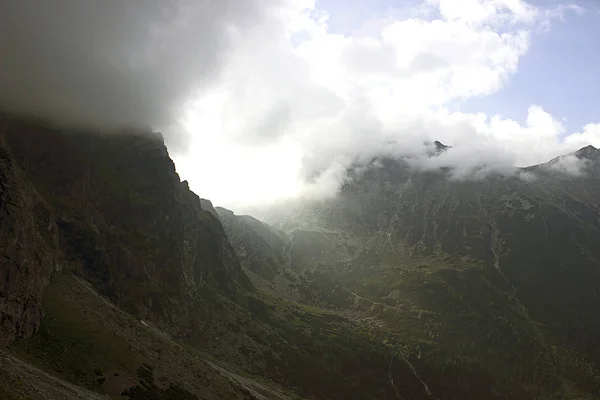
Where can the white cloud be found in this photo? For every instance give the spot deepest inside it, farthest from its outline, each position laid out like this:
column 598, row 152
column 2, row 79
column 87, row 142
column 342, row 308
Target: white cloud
column 568, row 164
column 277, row 104
column 310, row 106
column 495, row 12
column 589, row 135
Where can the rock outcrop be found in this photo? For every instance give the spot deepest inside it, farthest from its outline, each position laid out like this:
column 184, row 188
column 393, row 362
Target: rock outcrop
column 124, row 221
column 261, row 248
column 28, row 250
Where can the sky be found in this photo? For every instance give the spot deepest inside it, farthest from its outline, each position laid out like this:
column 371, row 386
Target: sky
column 263, row 100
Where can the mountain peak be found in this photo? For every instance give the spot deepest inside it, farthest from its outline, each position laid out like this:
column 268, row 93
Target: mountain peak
column 435, row 148
column 440, row 146
column 589, row 152
column 207, row 205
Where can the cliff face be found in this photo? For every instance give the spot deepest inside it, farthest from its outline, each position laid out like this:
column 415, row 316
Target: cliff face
column 28, row 250
column 261, row 248
column 124, row 221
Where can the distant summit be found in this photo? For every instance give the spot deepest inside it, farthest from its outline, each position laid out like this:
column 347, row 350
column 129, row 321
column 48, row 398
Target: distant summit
column 440, row 146
column 436, row 148
column 589, row 152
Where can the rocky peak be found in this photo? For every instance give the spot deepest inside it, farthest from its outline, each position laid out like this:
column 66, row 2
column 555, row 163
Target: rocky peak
column 435, row 148
column 208, row 206
column 589, row 152
column 440, row 146
column 125, row 221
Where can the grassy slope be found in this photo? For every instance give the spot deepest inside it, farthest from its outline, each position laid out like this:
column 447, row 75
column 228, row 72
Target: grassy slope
column 88, row 342
column 460, row 318
column 458, row 321
column 456, row 324
column 21, row 381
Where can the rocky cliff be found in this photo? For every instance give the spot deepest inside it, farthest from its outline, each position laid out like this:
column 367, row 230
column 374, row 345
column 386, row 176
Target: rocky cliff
column 122, row 218
column 28, row 250
column 150, row 285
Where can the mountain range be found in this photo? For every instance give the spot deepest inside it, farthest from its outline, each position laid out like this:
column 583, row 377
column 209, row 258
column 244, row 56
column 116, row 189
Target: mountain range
column 119, row 282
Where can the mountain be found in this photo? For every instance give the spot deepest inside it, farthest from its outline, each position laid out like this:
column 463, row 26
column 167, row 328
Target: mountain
column 28, row 250
column 126, row 223
column 120, row 282
column 497, row 276
column 260, row 247
column 105, row 256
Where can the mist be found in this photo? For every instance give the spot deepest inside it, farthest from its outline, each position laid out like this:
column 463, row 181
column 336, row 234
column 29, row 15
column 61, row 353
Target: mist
column 262, row 100
column 115, row 64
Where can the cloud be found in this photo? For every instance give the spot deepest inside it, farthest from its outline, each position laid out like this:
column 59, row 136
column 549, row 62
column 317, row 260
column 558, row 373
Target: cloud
column 589, row 135
column 568, row 164
column 329, row 100
column 275, row 103
column 114, row 63
column 498, row 12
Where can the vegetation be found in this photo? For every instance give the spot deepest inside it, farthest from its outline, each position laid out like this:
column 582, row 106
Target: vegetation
column 89, row 342
column 406, row 285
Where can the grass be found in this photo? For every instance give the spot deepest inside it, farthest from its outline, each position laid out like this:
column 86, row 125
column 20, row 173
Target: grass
column 439, row 323
column 11, row 388
column 88, row 342
column 443, row 322
column 460, row 322
column 73, row 344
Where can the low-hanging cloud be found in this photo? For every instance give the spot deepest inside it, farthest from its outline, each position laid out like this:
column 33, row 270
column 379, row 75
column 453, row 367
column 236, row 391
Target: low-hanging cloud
column 273, row 102
column 111, row 64
column 569, row 164
column 311, row 102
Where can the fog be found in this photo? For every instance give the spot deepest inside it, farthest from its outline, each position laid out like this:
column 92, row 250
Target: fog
column 262, row 100
column 112, row 64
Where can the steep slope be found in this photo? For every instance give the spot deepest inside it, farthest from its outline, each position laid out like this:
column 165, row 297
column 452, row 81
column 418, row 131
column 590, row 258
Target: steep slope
column 261, row 248
column 147, row 272
column 127, row 223
column 498, row 274
column 111, row 210
column 28, row 250
column 281, row 262
column 407, row 285
column 89, row 342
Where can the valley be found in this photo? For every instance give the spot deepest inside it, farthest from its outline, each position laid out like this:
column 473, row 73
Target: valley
column 120, row 282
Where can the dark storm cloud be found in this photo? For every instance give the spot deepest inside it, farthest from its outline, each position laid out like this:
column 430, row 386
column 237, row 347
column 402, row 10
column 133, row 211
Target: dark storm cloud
column 114, row 63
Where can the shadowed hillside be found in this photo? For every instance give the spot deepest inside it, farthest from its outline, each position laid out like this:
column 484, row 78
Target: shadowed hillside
column 119, row 282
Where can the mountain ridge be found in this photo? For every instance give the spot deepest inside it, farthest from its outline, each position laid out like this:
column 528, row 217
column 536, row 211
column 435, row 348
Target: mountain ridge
column 407, row 284
column 498, row 232
column 152, row 291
